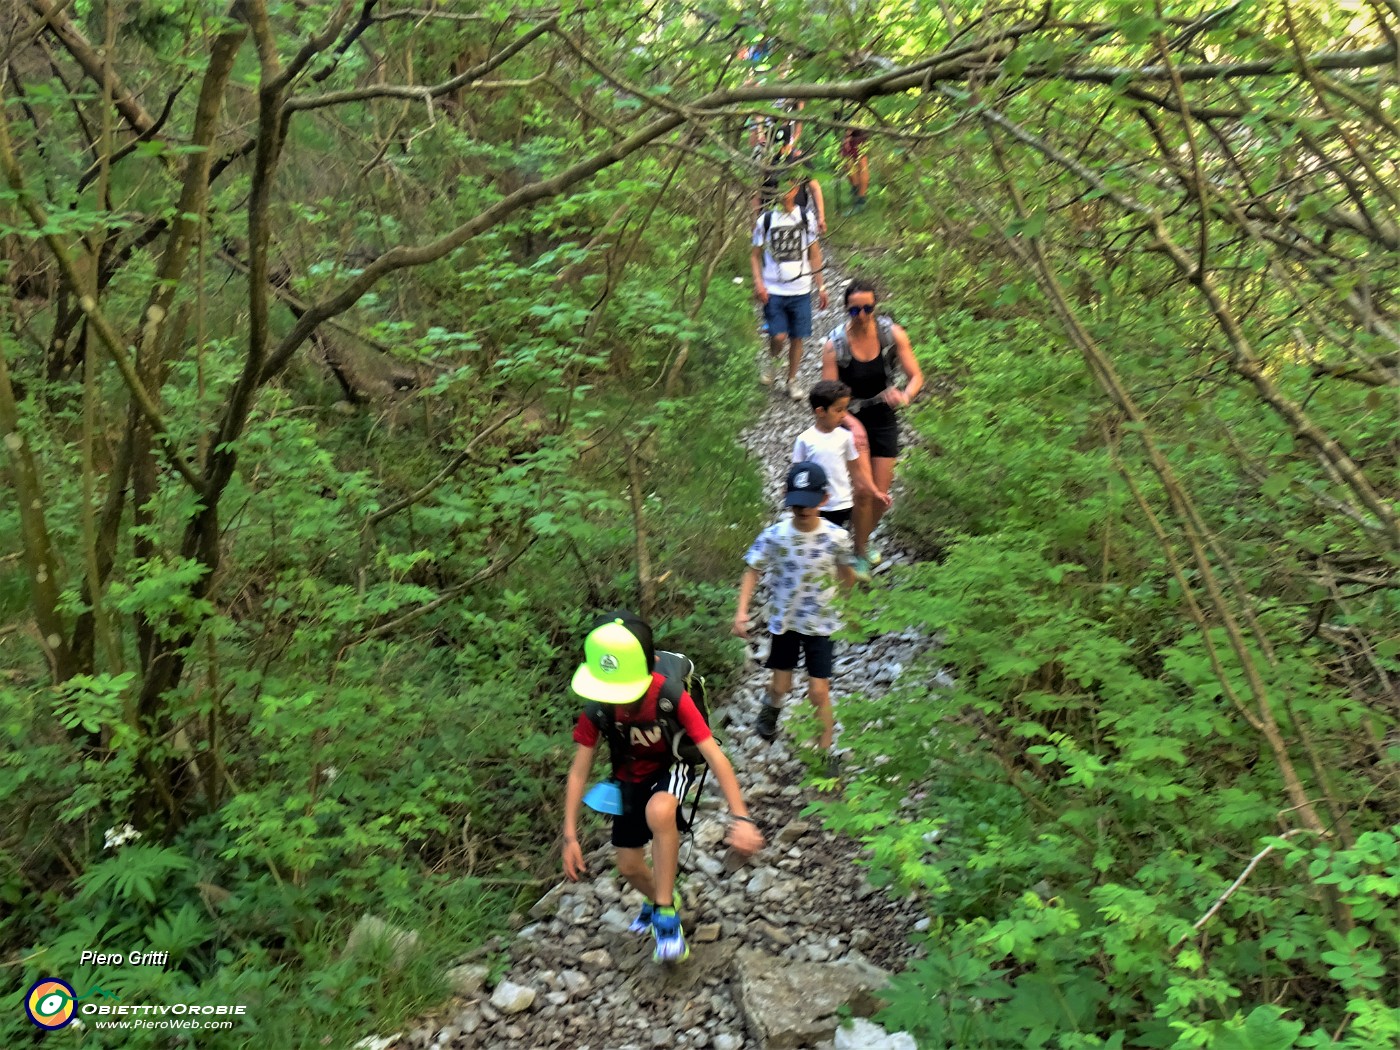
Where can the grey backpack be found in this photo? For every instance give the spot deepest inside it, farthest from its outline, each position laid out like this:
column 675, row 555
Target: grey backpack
column 884, row 326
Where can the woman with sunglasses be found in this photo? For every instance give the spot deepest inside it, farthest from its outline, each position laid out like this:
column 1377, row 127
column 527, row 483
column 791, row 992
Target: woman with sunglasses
column 868, row 347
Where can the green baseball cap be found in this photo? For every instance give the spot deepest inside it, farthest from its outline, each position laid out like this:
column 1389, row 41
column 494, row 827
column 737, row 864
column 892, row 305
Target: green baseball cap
column 614, row 668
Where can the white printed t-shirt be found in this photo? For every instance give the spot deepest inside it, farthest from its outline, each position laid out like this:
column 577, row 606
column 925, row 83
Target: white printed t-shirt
column 800, row 570
column 786, row 268
column 834, row 453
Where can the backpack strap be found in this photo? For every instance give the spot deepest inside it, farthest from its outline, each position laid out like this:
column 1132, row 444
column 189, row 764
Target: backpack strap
column 676, row 669
column 605, row 718
column 884, row 328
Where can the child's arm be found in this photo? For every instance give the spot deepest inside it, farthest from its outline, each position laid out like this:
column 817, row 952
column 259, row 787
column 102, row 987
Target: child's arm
column 846, row 576
column 743, row 832
column 573, row 799
column 746, row 589
column 816, row 188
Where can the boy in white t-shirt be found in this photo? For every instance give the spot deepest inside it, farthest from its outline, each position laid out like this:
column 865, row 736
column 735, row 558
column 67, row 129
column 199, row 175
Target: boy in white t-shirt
column 829, row 443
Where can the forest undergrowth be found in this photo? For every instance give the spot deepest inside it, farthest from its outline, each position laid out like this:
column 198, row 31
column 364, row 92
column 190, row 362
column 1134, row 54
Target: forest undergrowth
column 350, row 357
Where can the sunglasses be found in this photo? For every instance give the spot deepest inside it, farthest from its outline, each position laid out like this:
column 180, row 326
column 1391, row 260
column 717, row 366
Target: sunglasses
column 856, row 311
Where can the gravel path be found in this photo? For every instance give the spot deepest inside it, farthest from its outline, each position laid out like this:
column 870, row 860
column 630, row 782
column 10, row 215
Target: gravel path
column 578, row 980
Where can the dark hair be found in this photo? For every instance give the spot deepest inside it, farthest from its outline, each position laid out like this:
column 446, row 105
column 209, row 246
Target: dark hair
column 641, row 630
column 856, row 285
column 827, row 393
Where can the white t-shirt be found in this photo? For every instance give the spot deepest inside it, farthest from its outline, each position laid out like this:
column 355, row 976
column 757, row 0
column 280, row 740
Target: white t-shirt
column 786, row 268
column 834, row 453
column 800, row 570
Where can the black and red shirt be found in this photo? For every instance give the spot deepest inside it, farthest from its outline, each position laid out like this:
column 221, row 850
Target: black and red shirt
column 646, row 753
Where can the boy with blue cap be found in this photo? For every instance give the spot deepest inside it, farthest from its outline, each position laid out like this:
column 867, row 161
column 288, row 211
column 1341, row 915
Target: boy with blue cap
column 803, row 558
column 619, row 671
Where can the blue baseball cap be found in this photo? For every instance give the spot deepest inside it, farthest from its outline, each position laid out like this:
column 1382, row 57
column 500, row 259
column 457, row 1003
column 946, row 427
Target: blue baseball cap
column 806, row 485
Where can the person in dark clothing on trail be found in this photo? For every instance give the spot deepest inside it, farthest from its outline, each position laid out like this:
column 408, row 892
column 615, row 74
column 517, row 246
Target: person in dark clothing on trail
column 863, row 353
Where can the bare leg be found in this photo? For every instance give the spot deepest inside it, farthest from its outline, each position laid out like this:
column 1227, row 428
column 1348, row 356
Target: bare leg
column 860, row 182
column 862, row 522
column 883, row 471
column 665, row 844
column 778, row 687
column 860, row 504
column 819, row 692
column 632, row 866
column 794, row 358
column 776, row 343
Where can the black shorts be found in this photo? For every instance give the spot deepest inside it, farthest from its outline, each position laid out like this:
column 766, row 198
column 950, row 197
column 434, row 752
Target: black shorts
column 882, row 431
column 838, row 517
column 630, row 830
column 784, row 649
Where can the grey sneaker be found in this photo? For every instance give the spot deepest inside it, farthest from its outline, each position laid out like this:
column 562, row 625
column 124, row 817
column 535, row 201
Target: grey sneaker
column 795, row 392
column 767, row 724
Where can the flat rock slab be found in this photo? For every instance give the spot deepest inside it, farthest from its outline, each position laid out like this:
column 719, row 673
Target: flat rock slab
column 787, row 1005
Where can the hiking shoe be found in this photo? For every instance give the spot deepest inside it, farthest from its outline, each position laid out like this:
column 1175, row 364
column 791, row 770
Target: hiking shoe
column 642, row 923
column 795, row 392
column 767, row 724
column 765, row 371
column 861, row 567
column 670, row 937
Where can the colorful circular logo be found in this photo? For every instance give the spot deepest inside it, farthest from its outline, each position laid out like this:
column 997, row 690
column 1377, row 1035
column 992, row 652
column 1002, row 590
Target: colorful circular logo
column 49, row 1003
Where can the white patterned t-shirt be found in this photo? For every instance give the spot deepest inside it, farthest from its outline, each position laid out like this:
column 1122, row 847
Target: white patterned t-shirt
column 800, row 570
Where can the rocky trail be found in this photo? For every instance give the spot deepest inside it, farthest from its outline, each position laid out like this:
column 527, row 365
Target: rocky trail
column 778, row 944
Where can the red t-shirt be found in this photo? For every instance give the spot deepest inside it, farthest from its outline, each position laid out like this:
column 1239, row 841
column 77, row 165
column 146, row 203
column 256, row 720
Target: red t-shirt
column 646, row 754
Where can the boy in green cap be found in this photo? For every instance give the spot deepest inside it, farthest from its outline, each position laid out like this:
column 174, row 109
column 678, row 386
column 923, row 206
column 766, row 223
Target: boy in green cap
column 618, row 670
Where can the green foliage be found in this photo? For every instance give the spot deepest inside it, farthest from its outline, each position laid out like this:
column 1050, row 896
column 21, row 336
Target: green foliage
column 1075, row 804
column 334, row 684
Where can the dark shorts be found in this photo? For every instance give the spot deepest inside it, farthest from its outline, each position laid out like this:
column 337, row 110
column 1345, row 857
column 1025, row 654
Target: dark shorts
column 789, row 315
column 882, row 432
column 838, row 517
column 785, row 648
column 630, row 831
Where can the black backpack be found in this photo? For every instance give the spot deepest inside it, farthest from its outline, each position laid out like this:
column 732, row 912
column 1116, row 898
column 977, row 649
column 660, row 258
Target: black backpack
column 680, row 675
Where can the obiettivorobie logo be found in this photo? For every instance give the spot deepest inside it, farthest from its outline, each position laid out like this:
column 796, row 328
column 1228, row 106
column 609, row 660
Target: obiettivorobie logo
column 50, row 1003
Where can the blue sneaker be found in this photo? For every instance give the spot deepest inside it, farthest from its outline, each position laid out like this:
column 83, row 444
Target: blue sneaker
column 861, row 567
column 642, row 923
column 670, row 938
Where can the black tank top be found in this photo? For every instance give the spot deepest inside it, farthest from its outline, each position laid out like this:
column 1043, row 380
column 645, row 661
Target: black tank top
column 867, row 379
